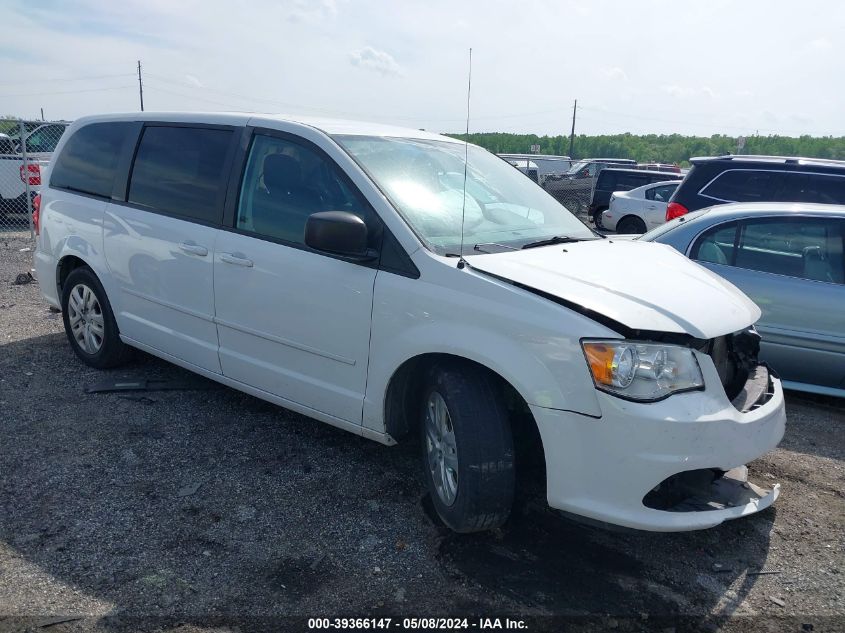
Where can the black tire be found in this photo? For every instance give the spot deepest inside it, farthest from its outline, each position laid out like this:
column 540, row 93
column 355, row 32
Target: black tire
column 112, row 352
column 631, row 224
column 485, row 454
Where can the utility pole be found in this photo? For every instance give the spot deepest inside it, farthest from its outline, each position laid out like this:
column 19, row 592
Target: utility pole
column 140, row 86
column 572, row 134
column 42, row 114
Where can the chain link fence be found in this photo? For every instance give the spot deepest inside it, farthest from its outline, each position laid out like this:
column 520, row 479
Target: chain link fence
column 549, row 172
column 25, row 151
column 575, row 195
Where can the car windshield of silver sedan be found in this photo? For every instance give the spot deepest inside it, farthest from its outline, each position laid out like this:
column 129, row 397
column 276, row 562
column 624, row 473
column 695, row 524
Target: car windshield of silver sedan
column 424, row 179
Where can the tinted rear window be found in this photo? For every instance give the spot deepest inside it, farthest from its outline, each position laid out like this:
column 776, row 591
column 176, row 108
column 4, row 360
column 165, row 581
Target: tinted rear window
column 808, row 187
column 180, row 171
column 88, row 161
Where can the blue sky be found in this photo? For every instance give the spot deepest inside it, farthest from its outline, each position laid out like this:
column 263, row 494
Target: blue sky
column 723, row 66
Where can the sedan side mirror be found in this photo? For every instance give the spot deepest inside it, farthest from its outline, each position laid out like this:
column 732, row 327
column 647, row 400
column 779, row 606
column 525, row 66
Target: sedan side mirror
column 338, row 232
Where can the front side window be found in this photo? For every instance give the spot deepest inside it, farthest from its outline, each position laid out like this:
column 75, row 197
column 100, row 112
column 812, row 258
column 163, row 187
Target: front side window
column 716, row 246
column 424, row 179
column 829, row 189
column 88, row 161
column 284, row 183
column 181, row 171
column 822, row 188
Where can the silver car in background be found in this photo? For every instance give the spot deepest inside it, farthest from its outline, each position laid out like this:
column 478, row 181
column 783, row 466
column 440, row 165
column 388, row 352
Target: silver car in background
column 788, row 258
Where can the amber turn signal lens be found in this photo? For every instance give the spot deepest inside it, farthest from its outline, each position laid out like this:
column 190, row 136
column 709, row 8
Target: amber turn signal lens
column 600, row 358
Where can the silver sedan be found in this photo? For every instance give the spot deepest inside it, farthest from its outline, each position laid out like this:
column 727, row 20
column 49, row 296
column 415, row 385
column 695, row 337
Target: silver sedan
column 788, row 257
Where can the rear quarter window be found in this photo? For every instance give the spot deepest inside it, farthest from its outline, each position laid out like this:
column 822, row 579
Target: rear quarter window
column 88, row 161
column 743, row 185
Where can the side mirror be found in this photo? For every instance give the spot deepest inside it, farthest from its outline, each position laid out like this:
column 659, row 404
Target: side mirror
column 339, row 233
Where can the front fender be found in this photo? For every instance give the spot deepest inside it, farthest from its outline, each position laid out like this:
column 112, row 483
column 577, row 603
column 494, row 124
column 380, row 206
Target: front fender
column 529, row 341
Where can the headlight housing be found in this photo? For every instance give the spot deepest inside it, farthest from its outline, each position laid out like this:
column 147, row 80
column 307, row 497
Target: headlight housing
column 642, row 371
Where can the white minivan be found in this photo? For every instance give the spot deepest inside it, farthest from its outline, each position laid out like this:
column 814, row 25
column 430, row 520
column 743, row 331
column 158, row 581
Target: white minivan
column 393, row 282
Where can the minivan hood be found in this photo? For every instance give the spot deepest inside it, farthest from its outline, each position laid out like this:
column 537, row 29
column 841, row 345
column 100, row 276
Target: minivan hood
column 642, row 285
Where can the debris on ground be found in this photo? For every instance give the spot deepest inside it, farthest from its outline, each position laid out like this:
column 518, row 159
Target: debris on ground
column 187, row 491
column 146, row 384
column 23, row 278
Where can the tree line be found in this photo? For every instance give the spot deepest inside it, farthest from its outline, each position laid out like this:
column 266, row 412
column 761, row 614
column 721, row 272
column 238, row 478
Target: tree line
column 663, row 148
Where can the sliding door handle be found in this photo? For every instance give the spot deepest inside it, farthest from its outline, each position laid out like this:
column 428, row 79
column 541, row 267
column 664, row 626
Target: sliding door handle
column 237, row 260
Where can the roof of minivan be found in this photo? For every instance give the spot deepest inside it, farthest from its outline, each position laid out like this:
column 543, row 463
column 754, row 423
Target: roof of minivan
column 327, row 125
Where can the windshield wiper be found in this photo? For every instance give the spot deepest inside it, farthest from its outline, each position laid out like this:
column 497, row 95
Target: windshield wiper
column 557, row 239
column 480, row 247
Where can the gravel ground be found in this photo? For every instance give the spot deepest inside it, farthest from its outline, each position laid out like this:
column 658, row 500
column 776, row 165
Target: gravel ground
column 182, row 509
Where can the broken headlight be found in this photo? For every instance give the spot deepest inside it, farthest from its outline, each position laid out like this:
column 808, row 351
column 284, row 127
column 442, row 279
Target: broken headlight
column 642, row 371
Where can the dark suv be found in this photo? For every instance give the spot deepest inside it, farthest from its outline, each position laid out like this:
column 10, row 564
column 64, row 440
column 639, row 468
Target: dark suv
column 613, row 179
column 721, row 179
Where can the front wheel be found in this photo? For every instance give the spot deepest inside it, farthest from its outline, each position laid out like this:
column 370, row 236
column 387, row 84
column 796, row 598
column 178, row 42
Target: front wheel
column 467, row 448
column 89, row 321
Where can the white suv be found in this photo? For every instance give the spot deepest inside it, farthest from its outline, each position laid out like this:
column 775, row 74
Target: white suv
column 318, row 265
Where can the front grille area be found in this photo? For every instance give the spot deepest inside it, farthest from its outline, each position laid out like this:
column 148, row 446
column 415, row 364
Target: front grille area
column 735, row 358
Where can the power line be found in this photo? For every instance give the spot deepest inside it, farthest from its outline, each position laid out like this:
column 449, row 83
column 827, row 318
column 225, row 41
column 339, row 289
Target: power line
column 709, row 122
column 49, row 81
column 357, row 114
column 195, row 98
column 64, row 92
column 424, row 118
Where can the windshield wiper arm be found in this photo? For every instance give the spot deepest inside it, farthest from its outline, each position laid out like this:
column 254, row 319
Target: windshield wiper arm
column 480, row 247
column 557, row 239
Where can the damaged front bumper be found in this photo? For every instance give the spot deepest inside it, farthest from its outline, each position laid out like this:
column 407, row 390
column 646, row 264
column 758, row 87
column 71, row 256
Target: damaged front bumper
column 673, row 465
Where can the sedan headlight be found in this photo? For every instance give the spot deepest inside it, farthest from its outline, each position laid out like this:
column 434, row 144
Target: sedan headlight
column 642, row 371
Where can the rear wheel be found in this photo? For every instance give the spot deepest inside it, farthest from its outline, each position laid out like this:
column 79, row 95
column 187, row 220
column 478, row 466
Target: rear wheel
column 89, row 321
column 467, row 448
column 631, row 224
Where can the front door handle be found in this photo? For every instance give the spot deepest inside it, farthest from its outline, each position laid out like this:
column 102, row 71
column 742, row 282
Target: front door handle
column 193, row 249
column 229, row 258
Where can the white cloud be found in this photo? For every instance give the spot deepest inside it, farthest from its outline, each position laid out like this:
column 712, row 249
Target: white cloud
column 821, row 44
column 684, row 92
column 614, row 73
column 193, row 81
column 373, row 59
column 312, row 10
